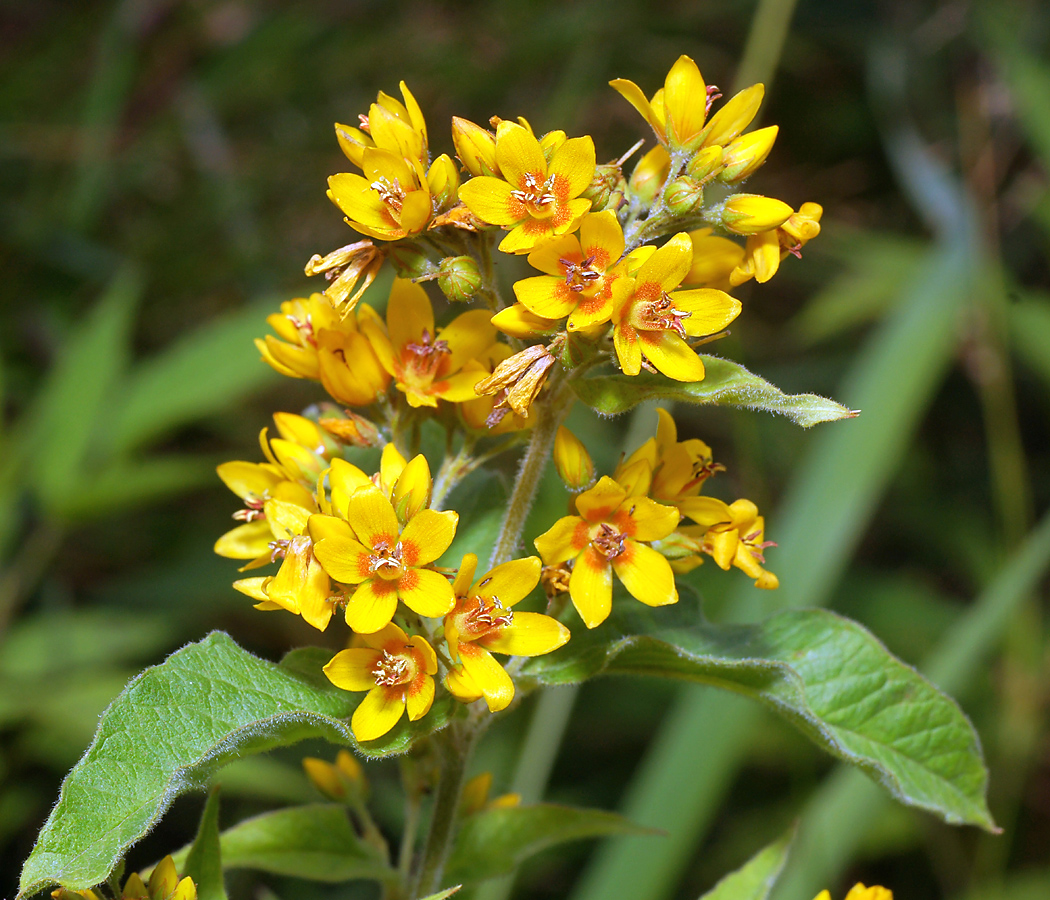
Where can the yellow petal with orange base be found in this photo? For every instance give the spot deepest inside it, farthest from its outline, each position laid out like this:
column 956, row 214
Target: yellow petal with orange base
column 590, row 587
column 495, row 684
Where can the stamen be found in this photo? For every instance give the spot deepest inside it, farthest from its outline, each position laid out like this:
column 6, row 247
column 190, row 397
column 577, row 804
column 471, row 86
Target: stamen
column 713, row 93
column 390, row 670
column 579, row 276
column 609, row 542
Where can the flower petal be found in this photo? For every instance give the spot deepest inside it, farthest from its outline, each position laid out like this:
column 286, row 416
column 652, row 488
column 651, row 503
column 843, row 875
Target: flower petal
column 600, row 501
column 709, row 310
column 372, row 518
column 734, row 116
column 563, row 540
column 336, row 547
column 468, row 336
column 602, row 237
column 344, row 480
column 427, row 535
column 247, row 541
column 408, row 314
column 372, row 606
column 509, row 582
column 574, row 161
column 412, row 488
column 547, row 256
column 652, row 521
column 530, row 634
column 546, row 296
column 496, row 685
column 628, row 350
column 685, row 101
column 669, row 264
column 491, row 201
column 646, row 574
column 419, row 697
column 518, row 153
column 426, row 592
column 351, row 669
column 636, row 97
column 377, row 713
column 590, row 587
column 671, row 355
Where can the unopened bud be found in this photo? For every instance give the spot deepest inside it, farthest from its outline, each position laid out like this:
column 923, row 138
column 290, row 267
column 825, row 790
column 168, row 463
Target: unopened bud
column 410, row 262
column 475, row 794
column 607, row 178
column 519, row 322
column 744, row 155
column 475, row 147
column 714, row 258
column 650, row 174
column 459, row 278
column 683, row 196
column 706, row 164
column 573, row 462
column 752, row 213
column 443, row 181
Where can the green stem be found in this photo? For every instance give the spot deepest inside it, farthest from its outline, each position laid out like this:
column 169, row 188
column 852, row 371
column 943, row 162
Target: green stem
column 551, row 414
column 413, row 803
column 457, row 745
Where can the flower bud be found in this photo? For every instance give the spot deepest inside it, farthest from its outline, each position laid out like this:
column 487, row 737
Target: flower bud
column 443, row 181
column 734, row 116
column 650, row 174
column 475, row 147
column 744, row 155
column 518, row 322
column 683, row 196
column 706, row 164
column 752, row 213
column 344, row 782
column 410, row 262
column 573, row 462
column 458, row 278
column 604, row 187
column 714, row 258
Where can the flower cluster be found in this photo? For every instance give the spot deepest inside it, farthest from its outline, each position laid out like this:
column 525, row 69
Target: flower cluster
column 630, row 273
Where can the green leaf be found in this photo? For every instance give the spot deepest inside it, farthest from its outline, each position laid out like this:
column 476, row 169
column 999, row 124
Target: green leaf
column 495, row 842
column 171, row 728
column 200, row 375
column 204, row 861
column 726, row 384
column 1029, row 321
column 315, row 841
column 755, row 879
column 445, row 894
column 831, row 678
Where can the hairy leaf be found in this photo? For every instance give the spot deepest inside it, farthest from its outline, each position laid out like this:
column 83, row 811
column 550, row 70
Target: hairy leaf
column 726, row 384
column 495, row 842
column 755, row 879
column 170, row 729
column 315, row 841
column 831, row 678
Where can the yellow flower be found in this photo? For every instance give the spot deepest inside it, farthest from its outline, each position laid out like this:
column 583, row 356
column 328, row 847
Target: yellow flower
column 733, row 536
column 767, row 249
column 860, row 892
column 391, row 125
column 294, row 351
column 674, row 471
column 580, row 273
column 535, row 200
column 608, row 536
column 483, row 622
column 385, row 546
column 677, row 111
column 395, row 669
column 429, row 364
column 390, row 202
column 714, row 260
column 350, row 369
column 650, row 322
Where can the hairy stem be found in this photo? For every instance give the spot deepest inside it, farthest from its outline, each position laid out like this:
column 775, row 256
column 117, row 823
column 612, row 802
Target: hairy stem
column 551, row 414
column 457, row 745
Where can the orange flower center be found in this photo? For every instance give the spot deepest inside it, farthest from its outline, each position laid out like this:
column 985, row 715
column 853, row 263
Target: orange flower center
column 580, row 276
column 425, row 357
column 536, row 194
column 608, row 541
column 486, row 618
column 659, row 315
column 390, row 670
column 387, row 561
column 392, row 194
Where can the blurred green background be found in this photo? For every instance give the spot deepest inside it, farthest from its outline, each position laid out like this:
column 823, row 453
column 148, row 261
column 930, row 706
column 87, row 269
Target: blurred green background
column 163, row 169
